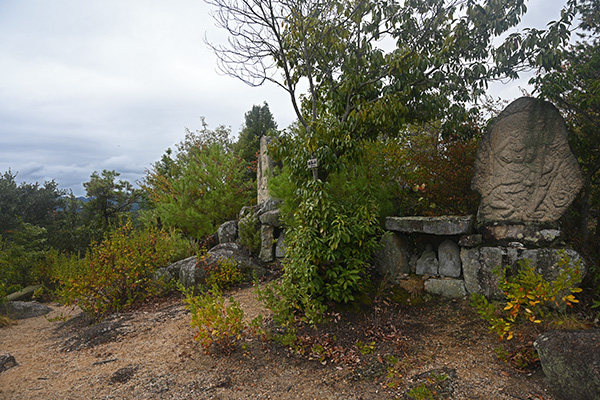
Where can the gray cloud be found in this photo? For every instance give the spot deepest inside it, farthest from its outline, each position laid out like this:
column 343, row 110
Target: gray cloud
column 88, row 86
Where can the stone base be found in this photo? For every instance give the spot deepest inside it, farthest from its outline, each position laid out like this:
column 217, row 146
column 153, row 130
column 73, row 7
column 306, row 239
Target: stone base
column 530, row 235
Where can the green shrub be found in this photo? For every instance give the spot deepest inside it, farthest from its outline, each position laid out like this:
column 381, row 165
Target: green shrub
column 218, row 324
column 223, row 274
column 529, row 297
column 115, row 273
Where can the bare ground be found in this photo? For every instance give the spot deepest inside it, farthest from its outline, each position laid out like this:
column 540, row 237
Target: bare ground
column 380, row 352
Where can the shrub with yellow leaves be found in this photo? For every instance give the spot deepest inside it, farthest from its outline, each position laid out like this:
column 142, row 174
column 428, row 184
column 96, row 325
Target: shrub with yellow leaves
column 529, row 297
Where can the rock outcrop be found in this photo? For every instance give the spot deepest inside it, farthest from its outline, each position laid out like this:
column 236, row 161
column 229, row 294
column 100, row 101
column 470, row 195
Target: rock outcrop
column 571, row 362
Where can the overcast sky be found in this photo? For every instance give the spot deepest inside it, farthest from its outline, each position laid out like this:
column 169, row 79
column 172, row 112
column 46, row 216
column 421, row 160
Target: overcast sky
column 93, row 85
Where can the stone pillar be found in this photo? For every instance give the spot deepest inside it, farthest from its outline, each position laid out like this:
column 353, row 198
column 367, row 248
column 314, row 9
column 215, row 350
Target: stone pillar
column 265, row 166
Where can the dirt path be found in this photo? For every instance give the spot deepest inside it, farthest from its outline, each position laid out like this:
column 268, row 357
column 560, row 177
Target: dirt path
column 150, row 354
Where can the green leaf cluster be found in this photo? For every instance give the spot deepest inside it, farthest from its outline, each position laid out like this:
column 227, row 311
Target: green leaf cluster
column 199, row 188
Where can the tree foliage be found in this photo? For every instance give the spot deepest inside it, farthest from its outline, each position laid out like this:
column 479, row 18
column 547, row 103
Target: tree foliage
column 257, row 122
column 109, row 199
column 202, row 186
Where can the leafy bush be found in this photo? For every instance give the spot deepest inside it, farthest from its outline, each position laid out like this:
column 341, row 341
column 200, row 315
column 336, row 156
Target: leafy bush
column 223, row 274
column 529, row 297
column 116, row 272
column 218, row 324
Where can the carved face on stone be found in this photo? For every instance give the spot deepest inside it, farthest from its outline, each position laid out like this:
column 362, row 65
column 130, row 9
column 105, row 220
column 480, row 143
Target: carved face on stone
column 525, row 171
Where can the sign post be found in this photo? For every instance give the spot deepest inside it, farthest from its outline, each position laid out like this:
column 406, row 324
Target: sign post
column 313, row 164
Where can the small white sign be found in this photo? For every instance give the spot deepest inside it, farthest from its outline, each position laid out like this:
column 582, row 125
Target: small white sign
column 312, row 163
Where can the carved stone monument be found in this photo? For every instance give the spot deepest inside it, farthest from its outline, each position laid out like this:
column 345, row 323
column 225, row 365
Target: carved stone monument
column 525, row 171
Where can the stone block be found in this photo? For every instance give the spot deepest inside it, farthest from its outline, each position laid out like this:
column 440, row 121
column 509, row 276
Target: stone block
column 450, row 288
column 267, row 241
column 449, row 259
column 478, row 265
column 529, row 235
column 546, row 261
column 271, row 218
column 393, row 258
column 470, row 240
column 439, row 226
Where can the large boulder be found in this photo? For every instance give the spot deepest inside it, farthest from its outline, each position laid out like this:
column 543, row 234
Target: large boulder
column 24, row 309
column 23, row 294
column 571, row 362
column 186, row 271
column 228, row 232
column 525, row 170
column 192, row 272
column 234, row 251
column 271, row 218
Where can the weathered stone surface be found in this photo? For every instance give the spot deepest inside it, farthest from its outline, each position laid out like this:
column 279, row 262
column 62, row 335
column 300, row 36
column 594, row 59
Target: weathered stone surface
column 23, row 294
column 280, row 246
column 271, row 218
column 192, row 273
column 440, row 226
column 7, row 361
column 529, row 235
column 525, row 170
column 450, row 288
column 477, row 265
column 546, row 261
column 571, row 362
column 428, row 263
column 269, row 204
column 24, row 309
column 393, row 258
column 228, row 232
column 265, row 165
column 234, row 251
column 247, row 211
column 470, row 240
column 188, row 272
column 449, row 259
column 267, row 241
